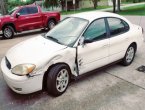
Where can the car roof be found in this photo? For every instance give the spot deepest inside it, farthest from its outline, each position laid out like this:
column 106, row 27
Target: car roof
column 28, row 5
column 91, row 16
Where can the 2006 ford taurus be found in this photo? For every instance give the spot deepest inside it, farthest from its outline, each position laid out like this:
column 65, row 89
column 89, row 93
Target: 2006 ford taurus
column 78, row 44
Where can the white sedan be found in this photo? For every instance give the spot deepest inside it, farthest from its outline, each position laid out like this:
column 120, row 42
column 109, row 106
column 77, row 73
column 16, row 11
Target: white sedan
column 78, row 44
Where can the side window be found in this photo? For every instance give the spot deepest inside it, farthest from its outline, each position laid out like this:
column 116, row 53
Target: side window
column 117, row 26
column 23, row 11
column 96, row 31
column 33, row 10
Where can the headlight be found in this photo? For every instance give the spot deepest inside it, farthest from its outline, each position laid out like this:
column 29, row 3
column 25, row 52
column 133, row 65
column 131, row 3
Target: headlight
column 23, row 69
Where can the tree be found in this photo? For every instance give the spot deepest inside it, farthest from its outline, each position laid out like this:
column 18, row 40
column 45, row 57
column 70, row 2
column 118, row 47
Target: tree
column 50, row 3
column 3, row 7
column 62, row 2
column 118, row 6
column 95, row 3
column 114, row 6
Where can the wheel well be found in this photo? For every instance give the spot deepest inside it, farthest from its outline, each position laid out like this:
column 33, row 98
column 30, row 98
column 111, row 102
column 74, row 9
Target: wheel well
column 135, row 45
column 9, row 24
column 46, row 73
column 52, row 19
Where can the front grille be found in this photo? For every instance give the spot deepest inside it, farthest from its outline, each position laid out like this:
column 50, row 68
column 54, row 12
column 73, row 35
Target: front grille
column 8, row 64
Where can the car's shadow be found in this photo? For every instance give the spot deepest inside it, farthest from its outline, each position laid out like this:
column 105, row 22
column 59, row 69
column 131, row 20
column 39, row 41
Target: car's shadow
column 26, row 33
column 30, row 33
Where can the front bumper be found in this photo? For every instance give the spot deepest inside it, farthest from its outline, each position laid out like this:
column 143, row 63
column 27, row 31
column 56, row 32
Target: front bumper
column 21, row 84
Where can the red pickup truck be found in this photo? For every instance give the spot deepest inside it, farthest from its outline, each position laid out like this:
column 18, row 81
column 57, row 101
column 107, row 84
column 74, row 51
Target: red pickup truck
column 25, row 18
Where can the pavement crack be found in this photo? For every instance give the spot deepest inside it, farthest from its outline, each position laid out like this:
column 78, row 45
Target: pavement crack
column 124, row 80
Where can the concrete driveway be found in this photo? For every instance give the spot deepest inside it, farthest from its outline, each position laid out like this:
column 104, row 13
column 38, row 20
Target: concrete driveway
column 114, row 88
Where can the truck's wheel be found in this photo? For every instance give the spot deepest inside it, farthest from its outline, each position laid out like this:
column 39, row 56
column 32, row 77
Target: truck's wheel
column 51, row 24
column 8, row 32
column 58, row 79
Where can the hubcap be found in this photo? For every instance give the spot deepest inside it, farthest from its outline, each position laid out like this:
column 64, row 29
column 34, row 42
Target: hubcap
column 7, row 32
column 62, row 80
column 130, row 54
column 51, row 25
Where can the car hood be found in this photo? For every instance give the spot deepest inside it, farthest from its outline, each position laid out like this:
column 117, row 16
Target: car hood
column 35, row 51
column 5, row 16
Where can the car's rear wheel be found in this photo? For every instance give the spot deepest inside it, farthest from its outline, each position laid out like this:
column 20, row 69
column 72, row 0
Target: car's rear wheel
column 58, row 79
column 8, row 32
column 129, row 56
column 51, row 24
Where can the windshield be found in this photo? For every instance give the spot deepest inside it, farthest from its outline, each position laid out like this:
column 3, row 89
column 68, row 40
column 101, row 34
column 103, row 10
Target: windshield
column 67, row 31
column 13, row 10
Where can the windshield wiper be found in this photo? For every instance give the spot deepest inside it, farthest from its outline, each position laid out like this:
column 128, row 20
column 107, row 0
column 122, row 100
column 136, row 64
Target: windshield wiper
column 53, row 39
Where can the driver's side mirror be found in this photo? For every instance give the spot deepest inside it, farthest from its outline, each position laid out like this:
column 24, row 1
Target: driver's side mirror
column 84, row 41
column 81, row 41
column 17, row 15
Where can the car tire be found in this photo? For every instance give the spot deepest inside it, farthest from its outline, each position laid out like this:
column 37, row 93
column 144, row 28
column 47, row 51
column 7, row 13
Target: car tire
column 8, row 32
column 51, row 24
column 129, row 56
column 58, row 80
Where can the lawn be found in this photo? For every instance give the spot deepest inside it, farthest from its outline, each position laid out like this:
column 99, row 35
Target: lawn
column 134, row 10
column 84, row 10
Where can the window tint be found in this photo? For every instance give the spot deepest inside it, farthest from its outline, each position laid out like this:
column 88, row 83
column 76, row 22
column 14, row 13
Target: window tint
column 96, row 31
column 23, row 11
column 33, row 10
column 117, row 26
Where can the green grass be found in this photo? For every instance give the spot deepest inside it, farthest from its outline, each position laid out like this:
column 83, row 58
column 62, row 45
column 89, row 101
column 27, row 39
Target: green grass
column 126, row 3
column 134, row 10
column 84, row 10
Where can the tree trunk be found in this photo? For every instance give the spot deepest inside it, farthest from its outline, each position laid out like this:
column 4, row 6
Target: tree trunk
column 114, row 6
column 3, row 7
column 95, row 2
column 94, row 5
column 62, row 4
column 118, row 6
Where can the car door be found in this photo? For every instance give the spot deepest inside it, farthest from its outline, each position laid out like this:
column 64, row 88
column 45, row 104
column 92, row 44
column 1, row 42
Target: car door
column 35, row 17
column 29, row 18
column 94, row 53
column 22, row 21
column 119, row 38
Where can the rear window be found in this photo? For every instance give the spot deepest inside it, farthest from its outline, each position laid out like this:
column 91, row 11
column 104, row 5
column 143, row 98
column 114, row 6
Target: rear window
column 117, row 26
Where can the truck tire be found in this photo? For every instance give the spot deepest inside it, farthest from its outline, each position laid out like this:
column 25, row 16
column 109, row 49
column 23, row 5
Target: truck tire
column 8, row 32
column 58, row 79
column 51, row 24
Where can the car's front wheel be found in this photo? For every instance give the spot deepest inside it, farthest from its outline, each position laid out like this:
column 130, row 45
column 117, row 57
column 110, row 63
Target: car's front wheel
column 129, row 56
column 8, row 32
column 58, row 79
